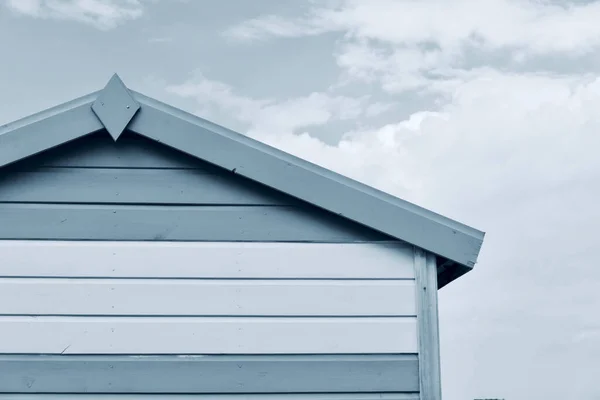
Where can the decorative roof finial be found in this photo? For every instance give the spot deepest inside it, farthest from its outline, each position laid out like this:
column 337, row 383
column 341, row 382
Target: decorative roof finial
column 115, row 107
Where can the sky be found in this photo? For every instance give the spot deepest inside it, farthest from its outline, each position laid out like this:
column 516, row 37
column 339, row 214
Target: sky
column 486, row 111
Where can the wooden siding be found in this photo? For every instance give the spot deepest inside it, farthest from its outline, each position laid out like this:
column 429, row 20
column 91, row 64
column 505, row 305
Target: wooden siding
column 63, row 259
column 260, row 318
column 131, row 151
column 132, row 186
column 136, row 189
column 211, row 315
column 175, row 223
column 105, row 297
column 345, row 300
column 209, row 374
column 207, row 335
column 328, row 396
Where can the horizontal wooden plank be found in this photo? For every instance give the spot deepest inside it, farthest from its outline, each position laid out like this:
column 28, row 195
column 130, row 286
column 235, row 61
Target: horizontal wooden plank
column 130, row 151
column 207, row 335
column 176, row 223
column 239, row 260
column 206, row 297
column 134, row 186
column 278, row 396
column 209, row 374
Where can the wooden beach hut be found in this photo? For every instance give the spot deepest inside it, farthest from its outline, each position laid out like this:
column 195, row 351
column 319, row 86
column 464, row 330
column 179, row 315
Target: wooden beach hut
column 144, row 250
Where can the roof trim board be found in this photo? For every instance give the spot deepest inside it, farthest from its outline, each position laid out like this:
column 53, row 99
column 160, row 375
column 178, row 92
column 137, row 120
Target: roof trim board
column 246, row 157
column 48, row 129
column 311, row 183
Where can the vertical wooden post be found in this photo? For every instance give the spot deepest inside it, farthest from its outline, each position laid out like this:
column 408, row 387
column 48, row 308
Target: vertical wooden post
column 427, row 322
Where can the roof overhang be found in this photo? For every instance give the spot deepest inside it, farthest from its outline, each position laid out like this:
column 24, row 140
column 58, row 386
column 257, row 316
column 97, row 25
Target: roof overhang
column 116, row 108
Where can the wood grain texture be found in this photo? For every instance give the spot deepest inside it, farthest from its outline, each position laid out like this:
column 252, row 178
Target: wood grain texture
column 235, row 260
column 277, row 396
column 134, row 186
column 207, row 335
column 177, row 223
column 428, row 330
column 209, row 374
column 158, row 297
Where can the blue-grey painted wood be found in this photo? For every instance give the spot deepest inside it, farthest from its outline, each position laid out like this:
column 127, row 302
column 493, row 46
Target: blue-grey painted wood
column 306, row 181
column 48, row 129
column 115, row 107
column 177, row 223
column 427, row 320
column 209, row 374
column 277, row 396
column 135, row 186
column 130, row 151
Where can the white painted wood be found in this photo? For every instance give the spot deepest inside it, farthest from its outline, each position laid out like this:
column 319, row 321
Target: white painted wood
column 176, row 335
column 206, row 260
column 192, row 297
column 428, row 330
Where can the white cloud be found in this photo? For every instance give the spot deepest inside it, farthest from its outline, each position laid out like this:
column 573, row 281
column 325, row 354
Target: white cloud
column 273, row 25
column 377, row 108
column 484, row 138
column 269, row 115
column 102, row 14
column 408, row 45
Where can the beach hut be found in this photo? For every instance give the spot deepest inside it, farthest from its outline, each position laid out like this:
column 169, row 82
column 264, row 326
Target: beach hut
column 144, row 250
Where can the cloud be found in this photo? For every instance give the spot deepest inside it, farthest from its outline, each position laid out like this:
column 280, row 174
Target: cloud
column 537, row 26
column 428, row 45
column 269, row 115
column 101, row 14
column 273, row 25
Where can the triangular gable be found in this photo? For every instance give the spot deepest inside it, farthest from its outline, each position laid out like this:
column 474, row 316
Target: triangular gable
column 119, row 109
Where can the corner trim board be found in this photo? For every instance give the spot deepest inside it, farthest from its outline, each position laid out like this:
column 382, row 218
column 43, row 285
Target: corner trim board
column 427, row 325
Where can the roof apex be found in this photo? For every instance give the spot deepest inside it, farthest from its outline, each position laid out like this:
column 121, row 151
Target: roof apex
column 115, row 107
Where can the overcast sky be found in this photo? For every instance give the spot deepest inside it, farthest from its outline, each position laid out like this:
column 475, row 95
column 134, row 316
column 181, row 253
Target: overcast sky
column 487, row 111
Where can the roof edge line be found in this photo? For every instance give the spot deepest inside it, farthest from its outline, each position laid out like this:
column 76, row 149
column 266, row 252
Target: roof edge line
column 265, row 164
column 49, row 112
column 47, row 129
column 326, row 173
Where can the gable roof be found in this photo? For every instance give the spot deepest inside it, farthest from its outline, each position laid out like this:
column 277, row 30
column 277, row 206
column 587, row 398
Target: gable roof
column 116, row 108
